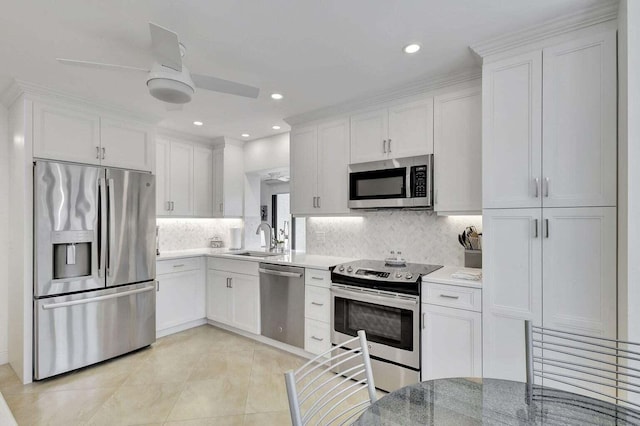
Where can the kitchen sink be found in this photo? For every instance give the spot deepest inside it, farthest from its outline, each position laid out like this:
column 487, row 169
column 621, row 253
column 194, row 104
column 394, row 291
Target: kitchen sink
column 254, row 253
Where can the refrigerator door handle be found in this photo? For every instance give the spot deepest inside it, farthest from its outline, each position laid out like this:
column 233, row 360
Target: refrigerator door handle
column 111, row 224
column 102, row 225
column 97, row 299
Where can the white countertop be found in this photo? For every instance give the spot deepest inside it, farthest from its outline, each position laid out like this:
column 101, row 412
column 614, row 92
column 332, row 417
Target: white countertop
column 443, row 276
column 293, row 258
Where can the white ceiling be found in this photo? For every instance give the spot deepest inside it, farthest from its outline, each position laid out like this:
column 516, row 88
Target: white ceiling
column 317, row 53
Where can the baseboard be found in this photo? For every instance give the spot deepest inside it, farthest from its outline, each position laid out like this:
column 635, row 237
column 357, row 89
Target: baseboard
column 4, row 357
column 262, row 339
column 180, row 327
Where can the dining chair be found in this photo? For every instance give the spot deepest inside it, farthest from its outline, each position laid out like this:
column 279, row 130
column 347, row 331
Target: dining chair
column 608, row 369
column 319, row 396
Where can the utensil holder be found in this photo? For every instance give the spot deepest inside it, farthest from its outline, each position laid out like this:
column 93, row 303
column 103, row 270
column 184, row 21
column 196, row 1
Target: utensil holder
column 473, row 258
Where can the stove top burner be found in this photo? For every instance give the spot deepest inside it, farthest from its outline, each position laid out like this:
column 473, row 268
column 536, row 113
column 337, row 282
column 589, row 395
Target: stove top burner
column 380, row 276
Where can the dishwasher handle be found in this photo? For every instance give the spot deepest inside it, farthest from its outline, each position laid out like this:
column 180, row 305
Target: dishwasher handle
column 280, row 273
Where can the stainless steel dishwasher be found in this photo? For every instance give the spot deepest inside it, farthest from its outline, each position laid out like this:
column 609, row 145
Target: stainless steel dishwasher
column 282, row 303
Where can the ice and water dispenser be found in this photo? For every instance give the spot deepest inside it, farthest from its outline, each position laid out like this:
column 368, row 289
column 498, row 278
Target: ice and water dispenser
column 72, row 254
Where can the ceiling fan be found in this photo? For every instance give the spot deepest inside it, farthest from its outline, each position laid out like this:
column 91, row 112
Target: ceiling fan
column 168, row 79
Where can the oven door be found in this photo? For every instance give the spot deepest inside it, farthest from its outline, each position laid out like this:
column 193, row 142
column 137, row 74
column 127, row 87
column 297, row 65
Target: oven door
column 390, row 321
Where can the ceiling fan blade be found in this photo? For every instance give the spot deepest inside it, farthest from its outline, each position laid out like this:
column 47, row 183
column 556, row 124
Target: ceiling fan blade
column 90, row 64
column 166, row 47
column 224, row 86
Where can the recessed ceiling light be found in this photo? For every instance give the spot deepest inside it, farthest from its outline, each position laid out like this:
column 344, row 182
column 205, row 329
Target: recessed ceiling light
column 276, row 127
column 245, row 135
column 198, row 123
column 276, row 96
column 411, row 48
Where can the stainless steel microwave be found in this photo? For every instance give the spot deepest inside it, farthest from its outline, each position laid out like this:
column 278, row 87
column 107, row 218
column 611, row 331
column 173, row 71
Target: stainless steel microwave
column 398, row 183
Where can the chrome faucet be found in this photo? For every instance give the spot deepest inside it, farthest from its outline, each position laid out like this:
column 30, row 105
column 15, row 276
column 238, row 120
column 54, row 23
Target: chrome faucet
column 268, row 237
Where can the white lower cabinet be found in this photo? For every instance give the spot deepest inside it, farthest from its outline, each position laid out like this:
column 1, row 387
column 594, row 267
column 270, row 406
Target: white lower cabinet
column 451, row 343
column 234, row 299
column 317, row 311
column 179, row 295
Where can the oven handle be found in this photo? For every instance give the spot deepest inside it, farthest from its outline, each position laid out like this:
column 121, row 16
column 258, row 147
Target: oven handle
column 394, row 302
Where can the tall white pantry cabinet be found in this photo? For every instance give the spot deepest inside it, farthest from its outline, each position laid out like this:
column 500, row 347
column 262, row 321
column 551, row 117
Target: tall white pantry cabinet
column 549, row 196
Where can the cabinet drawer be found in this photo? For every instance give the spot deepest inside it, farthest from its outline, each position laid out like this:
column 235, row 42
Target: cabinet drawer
column 453, row 296
column 317, row 302
column 246, row 267
column 177, row 265
column 317, row 277
column 317, row 337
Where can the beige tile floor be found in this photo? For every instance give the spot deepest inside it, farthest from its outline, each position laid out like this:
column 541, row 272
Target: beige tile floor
column 202, row 376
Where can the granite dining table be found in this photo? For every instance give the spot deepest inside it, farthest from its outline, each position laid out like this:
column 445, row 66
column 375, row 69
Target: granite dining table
column 462, row 402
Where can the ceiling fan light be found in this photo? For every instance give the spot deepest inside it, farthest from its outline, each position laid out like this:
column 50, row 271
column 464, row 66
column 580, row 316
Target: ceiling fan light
column 168, row 90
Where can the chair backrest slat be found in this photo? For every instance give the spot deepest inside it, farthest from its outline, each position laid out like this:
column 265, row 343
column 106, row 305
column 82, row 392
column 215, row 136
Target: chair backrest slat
column 332, row 394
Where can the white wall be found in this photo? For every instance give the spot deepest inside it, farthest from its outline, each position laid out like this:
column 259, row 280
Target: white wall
column 4, row 237
column 267, row 154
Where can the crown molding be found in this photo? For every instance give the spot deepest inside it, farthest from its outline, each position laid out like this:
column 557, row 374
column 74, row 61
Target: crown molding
column 177, row 134
column 412, row 89
column 552, row 28
column 20, row 87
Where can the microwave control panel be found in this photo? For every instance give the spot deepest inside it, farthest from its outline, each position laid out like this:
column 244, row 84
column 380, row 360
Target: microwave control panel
column 419, row 181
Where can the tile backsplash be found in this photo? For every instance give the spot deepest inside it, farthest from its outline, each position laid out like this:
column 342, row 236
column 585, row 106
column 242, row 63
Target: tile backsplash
column 181, row 234
column 421, row 236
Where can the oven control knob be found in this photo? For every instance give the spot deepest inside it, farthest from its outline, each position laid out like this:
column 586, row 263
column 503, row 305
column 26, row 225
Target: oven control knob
column 409, row 276
column 341, row 269
column 349, row 269
column 398, row 274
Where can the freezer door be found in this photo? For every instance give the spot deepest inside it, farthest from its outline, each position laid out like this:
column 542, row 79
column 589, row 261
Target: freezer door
column 131, row 227
column 67, row 246
column 81, row 329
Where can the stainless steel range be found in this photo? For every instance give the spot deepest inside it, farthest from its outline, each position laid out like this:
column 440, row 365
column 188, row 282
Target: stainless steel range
column 384, row 301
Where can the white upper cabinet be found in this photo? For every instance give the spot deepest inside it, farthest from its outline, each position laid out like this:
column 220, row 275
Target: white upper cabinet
column 511, row 132
column 304, row 169
column 512, row 287
column 163, row 190
column 66, row 134
column 228, row 184
column 458, row 152
column 580, row 145
column 181, row 179
column 411, row 129
column 369, row 133
column 572, row 162
column 333, row 172
column 404, row 130
column 319, row 169
column 202, row 182
column 126, row 145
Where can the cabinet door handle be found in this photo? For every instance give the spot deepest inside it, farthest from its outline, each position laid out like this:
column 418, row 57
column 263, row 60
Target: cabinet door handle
column 448, row 296
column 318, row 202
column 221, row 205
column 314, row 202
column 157, row 286
column 546, row 188
column 97, row 152
column 317, row 278
column 536, row 183
column 173, row 206
column 104, row 151
column 230, row 282
column 317, row 338
column 424, row 320
column 535, row 228
column 546, row 225
column 227, row 282
column 389, row 145
column 317, row 304
column 180, row 265
column 384, row 146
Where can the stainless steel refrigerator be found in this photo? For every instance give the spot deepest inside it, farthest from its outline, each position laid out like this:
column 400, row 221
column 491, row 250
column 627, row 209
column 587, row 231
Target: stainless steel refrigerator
column 94, row 265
